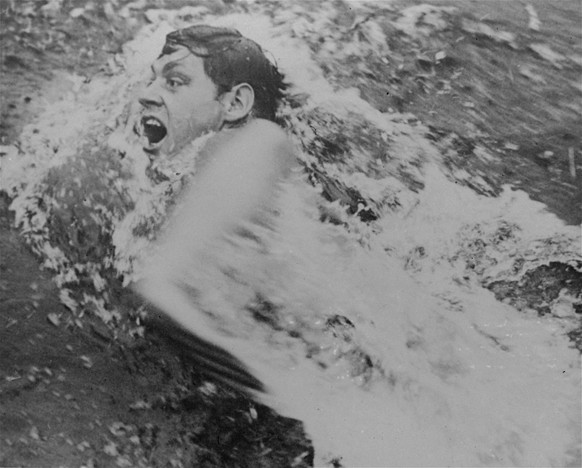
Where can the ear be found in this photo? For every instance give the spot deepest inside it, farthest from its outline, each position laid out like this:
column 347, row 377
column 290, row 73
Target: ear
column 238, row 102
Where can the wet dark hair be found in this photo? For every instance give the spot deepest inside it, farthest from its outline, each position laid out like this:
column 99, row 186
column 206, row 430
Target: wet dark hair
column 230, row 59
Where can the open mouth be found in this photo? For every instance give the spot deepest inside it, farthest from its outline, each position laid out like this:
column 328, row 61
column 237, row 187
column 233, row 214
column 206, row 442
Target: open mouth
column 153, row 129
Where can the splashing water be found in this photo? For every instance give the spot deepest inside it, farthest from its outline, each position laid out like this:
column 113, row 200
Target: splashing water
column 377, row 336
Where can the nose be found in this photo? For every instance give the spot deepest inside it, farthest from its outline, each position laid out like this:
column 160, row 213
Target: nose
column 149, row 96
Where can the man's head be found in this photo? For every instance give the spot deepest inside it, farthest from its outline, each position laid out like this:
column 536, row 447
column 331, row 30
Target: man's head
column 205, row 79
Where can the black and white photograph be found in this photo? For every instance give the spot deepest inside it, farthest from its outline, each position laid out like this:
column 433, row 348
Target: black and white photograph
column 290, row 233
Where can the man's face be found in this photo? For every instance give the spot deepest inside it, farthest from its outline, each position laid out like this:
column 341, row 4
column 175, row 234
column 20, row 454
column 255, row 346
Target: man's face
column 178, row 105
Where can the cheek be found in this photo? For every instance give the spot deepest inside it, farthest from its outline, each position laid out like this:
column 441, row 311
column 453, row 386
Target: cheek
column 187, row 126
column 183, row 109
column 206, row 115
column 191, row 113
column 180, row 112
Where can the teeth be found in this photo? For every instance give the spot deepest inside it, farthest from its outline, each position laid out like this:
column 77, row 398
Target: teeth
column 152, row 129
column 152, row 121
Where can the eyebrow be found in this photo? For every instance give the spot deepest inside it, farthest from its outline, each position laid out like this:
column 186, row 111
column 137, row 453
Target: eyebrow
column 167, row 67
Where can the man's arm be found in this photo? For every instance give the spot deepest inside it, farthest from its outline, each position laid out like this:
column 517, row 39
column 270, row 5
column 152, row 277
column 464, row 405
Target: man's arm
column 241, row 176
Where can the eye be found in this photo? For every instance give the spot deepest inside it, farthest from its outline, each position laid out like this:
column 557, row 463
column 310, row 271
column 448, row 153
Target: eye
column 174, row 82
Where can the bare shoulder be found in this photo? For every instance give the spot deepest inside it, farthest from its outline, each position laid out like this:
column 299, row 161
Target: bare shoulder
column 257, row 132
column 258, row 142
column 270, row 140
column 260, row 132
column 267, row 128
